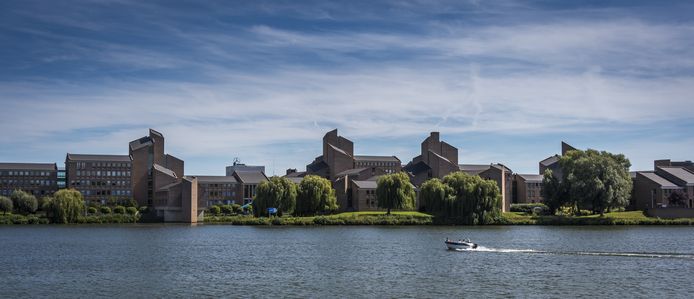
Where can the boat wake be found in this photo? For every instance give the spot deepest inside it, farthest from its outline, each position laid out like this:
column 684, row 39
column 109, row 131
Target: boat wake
column 662, row 255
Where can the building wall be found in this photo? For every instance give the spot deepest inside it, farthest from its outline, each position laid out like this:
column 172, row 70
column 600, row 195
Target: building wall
column 214, row 193
column 37, row 182
column 386, row 165
column 365, row 199
column 529, row 192
column 99, row 181
column 647, row 194
column 503, row 178
column 140, row 176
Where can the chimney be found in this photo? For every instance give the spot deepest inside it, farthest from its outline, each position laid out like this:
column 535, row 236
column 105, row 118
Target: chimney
column 434, row 136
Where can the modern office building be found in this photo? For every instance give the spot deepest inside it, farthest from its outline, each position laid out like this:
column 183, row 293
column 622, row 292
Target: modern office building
column 158, row 181
column 528, row 188
column 217, row 190
column 99, row 178
column 39, row 179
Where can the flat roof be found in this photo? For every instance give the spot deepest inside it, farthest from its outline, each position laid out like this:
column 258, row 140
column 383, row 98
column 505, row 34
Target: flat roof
column 366, row 184
column 106, row 158
column 28, row 166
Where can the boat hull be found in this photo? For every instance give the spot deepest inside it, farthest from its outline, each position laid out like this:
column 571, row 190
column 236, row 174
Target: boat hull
column 460, row 245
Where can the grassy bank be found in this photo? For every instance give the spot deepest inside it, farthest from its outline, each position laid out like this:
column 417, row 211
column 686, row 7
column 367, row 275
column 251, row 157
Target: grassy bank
column 40, row 219
column 350, row 218
column 615, row 218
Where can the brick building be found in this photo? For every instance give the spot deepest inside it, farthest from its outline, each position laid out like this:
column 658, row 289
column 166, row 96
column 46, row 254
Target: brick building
column 39, row 179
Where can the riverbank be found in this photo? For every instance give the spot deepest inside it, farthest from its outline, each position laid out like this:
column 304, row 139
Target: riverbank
column 90, row 219
column 615, row 218
column 349, row 218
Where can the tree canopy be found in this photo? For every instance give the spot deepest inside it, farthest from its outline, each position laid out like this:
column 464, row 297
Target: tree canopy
column 596, row 180
column 5, row 204
column 461, row 198
column 394, row 191
column 65, row 206
column 24, row 202
column 277, row 192
column 316, row 195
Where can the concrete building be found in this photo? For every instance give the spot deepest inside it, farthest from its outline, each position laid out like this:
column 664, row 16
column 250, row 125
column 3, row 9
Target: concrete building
column 552, row 162
column 217, row 190
column 652, row 189
column 502, row 175
column 348, row 191
column 39, row 179
column 99, row 178
column 248, row 181
column 528, row 188
column 437, row 159
column 389, row 164
column 158, row 181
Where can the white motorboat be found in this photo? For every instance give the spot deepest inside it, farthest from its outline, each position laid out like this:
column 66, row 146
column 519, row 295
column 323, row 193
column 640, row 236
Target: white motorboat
column 460, row 244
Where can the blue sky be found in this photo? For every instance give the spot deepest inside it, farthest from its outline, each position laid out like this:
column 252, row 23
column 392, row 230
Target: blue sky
column 504, row 81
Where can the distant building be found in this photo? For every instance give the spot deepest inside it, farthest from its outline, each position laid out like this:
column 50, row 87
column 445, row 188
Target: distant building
column 529, row 188
column 238, row 166
column 502, row 175
column 437, row 159
column 217, row 190
column 248, row 182
column 552, row 162
column 99, row 177
column 39, row 179
column 652, row 189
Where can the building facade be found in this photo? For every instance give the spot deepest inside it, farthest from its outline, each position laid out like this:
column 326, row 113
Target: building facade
column 502, row 175
column 654, row 189
column 39, row 179
column 100, row 178
column 217, row 190
column 529, row 188
column 243, row 167
column 437, row 159
column 248, row 182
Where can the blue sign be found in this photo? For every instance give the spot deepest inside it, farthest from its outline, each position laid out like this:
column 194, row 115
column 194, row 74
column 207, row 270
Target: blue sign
column 271, row 210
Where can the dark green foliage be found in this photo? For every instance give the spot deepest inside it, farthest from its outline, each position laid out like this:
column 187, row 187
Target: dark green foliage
column 279, row 193
column 105, row 210
column 119, row 210
column 322, row 220
column 677, row 199
column 227, row 209
column 5, row 204
column 236, row 209
column 394, row 191
column 131, row 210
column 599, row 181
column 110, row 218
column 461, row 198
column 24, row 203
column 214, row 210
column 315, row 195
column 91, row 210
column 65, row 206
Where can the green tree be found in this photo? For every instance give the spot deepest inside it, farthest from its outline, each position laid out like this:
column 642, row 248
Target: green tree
column 91, row 210
column 105, row 210
column 554, row 193
column 227, row 209
column 436, row 198
column 214, row 210
column 277, row 192
column 315, row 195
column 596, row 180
column 119, row 210
column 677, row 199
column 24, row 202
column 5, row 204
column 394, row 191
column 131, row 210
column 476, row 201
column 65, row 206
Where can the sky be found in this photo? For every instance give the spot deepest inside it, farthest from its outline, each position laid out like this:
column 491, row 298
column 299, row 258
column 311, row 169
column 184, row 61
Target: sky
column 503, row 81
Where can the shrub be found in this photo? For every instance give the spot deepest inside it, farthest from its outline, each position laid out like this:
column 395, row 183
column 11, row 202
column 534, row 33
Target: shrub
column 529, row 208
column 5, row 204
column 214, row 210
column 119, row 210
column 236, row 208
column 227, row 209
column 23, row 202
column 131, row 210
column 105, row 210
column 91, row 210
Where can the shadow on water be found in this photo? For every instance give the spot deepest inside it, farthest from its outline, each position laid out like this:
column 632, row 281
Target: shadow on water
column 655, row 255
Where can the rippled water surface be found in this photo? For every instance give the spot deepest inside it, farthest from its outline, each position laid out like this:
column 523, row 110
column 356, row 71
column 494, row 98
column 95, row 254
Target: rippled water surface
column 166, row 261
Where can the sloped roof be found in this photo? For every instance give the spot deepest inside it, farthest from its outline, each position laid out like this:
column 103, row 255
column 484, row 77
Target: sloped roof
column 140, row 143
column 377, row 158
column 316, row 166
column 680, row 173
column 658, row 179
column 296, row 179
column 28, row 166
column 250, row 177
column 416, row 168
column 350, row 172
column 550, row 160
column 297, row 174
column 213, row 178
column 107, row 158
column 365, row 184
column 534, row 178
column 164, row 170
column 441, row 157
column 473, row 168
column 339, row 150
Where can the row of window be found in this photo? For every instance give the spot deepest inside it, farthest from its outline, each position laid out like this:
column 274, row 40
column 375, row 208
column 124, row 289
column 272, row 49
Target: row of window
column 376, row 163
column 8, row 192
column 105, row 192
column 218, row 185
column 220, row 202
column 102, row 173
column 8, row 182
column 83, row 165
column 99, row 183
column 26, row 173
column 249, row 191
column 220, row 193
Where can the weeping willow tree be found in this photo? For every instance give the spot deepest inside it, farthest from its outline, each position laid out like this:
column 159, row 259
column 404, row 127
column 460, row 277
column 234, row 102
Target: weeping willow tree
column 461, row 198
column 277, row 192
column 316, row 195
column 394, row 191
column 65, row 206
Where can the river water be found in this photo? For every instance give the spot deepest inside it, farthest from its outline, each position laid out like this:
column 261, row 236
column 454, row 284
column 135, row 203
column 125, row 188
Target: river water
column 168, row 261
